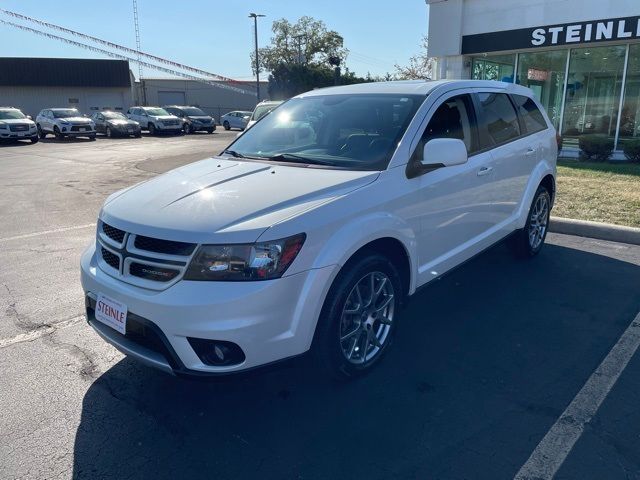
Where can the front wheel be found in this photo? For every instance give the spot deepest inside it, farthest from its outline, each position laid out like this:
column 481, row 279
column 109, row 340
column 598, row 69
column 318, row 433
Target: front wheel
column 211, row 130
column 359, row 316
column 226, row 125
column 529, row 241
column 41, row 133
column 187, row 129
column 34, row 139
column 58, row 135
column 152, row 129
column 109, row 132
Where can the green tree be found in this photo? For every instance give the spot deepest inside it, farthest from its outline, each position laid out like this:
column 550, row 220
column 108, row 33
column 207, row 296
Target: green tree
column 420, row 65
column 307, row 42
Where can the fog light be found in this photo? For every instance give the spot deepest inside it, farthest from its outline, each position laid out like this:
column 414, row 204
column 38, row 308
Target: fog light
column 218, row 353
column 64, row 129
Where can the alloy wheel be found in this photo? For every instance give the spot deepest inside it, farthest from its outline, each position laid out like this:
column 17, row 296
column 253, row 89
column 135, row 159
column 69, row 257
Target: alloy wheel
column 367, row 318
column 538, row 221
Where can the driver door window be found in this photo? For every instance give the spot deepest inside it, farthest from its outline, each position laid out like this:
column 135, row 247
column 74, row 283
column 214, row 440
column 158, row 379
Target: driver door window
column 453, row 119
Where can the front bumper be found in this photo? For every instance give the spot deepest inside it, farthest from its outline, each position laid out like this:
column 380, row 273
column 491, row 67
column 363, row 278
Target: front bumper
column 199, row 127
column 24, row 135
column 269, row 320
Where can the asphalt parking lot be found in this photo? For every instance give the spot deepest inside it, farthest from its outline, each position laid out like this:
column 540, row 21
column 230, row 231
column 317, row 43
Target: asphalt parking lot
column 488, row 360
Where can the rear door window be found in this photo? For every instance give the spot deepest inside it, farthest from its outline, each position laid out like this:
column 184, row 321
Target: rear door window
column 499, row 117
column 532, row 118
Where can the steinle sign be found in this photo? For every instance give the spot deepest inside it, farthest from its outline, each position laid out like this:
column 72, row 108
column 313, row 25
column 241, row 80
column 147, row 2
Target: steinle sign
column 586, row 32
column 611, row 29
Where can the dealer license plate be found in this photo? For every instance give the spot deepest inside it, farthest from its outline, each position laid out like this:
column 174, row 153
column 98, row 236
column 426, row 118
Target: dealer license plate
column 111, row 313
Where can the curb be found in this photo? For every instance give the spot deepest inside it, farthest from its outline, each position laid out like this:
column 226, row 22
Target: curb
column 601, row 231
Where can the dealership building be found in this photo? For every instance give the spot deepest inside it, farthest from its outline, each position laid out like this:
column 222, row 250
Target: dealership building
column 580, row 57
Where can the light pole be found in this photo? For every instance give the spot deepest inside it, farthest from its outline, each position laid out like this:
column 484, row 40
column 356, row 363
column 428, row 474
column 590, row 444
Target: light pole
column 255, row 33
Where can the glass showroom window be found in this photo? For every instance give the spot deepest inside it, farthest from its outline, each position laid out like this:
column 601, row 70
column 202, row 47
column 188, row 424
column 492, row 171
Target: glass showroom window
column 630, row 117
column 493, row 67
column 594, row 84
column 543, row 72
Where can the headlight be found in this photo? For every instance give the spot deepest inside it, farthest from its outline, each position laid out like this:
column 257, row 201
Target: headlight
column 256, row 261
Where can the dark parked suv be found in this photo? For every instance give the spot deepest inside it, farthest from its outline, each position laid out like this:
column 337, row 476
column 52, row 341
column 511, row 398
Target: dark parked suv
column 194, row 119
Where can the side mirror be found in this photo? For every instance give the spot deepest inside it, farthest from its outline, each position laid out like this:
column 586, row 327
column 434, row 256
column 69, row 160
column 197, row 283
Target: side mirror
column 444, row 152
column 29, row 117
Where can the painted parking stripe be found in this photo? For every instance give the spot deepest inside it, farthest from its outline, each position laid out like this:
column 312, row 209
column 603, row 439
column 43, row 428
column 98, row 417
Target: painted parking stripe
column 47, row 232
column 40, row 332
column 556, row 445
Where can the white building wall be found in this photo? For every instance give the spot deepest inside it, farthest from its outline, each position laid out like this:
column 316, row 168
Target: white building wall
column 33, row 99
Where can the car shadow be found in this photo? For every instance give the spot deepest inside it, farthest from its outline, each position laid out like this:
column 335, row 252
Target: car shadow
column 484, row 362
column 66, row 140
column 14, row 143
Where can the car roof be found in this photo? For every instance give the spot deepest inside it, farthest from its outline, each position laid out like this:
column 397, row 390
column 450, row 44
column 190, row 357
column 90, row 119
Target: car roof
column 413, row 87
column 60, row 108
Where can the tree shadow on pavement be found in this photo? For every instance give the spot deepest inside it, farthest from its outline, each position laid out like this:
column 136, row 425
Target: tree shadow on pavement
column 485, row 361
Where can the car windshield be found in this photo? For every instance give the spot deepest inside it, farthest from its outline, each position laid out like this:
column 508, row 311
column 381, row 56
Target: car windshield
column 156, row 111
column 357, row 132
column 114, row 115
column 11, row 115
column 195, row 112
column 66, row 113
column 262, row 110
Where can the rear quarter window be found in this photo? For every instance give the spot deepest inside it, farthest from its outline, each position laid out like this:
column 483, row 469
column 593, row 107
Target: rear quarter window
column 532, row 118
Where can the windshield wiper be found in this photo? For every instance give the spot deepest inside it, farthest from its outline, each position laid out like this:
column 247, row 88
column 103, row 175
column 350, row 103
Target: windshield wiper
column 234, row 154
column 292, row 157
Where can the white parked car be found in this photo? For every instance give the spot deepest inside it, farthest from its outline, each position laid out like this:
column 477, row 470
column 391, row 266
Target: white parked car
column 15, row 125
column 155, row 120
column 262, row 109
column 312, row 228
column 64, row 122
column 237, row 119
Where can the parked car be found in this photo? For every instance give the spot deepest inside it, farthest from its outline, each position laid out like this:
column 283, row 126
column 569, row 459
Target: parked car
column 64, row 122
column 237, row 119
column 115, row 124
column 194, row 119
column 262, row 109
column 312, row 228
column 155, row 120
column 15, row 125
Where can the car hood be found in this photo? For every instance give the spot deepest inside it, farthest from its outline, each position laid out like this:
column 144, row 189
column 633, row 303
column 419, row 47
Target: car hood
column 122, row 122
column 163, row 117
column 19, row 121
column 223, row 200
column 75, row 119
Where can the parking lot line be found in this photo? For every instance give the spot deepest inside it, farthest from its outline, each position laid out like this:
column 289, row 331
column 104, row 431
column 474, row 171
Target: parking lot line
column 40, row 332
column 556, row 445
column 47, row 232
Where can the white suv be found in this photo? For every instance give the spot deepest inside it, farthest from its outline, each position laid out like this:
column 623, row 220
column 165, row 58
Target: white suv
column 64, row 122
column 155, row 120
column 15, row 125
column 313, row 227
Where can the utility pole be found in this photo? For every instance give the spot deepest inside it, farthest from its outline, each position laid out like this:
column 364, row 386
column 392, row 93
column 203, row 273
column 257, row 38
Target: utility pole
column 137, row 27
column 255, row 33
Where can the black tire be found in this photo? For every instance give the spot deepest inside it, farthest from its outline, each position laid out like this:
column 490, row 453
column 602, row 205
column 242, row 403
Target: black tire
column 92, row 137
column 523, row 242
column 328, row 348
column 211, row 130
column 187, row 129
column 34, row 139
column 41, row 133
column 108, row 132
column 58, row 134
column 226, row 125
column 152, row 129
column 138, row 135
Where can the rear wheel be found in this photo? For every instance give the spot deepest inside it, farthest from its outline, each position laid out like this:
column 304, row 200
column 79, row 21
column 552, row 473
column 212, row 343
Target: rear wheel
column 226, row 125
column 529, row 241
column 359, row 316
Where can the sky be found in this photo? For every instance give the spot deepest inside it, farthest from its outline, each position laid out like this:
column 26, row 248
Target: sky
column 217, row 36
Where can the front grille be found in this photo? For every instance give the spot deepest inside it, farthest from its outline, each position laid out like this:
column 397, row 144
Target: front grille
column 113, row 233
column 111, row 259
column 81, row 128
column 168, row 247
column 170, row 122
column 19, row 128
column 152, row 272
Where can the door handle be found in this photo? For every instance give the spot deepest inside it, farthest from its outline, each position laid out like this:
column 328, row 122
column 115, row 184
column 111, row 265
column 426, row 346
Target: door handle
column 530, row 151
column 485, row 171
